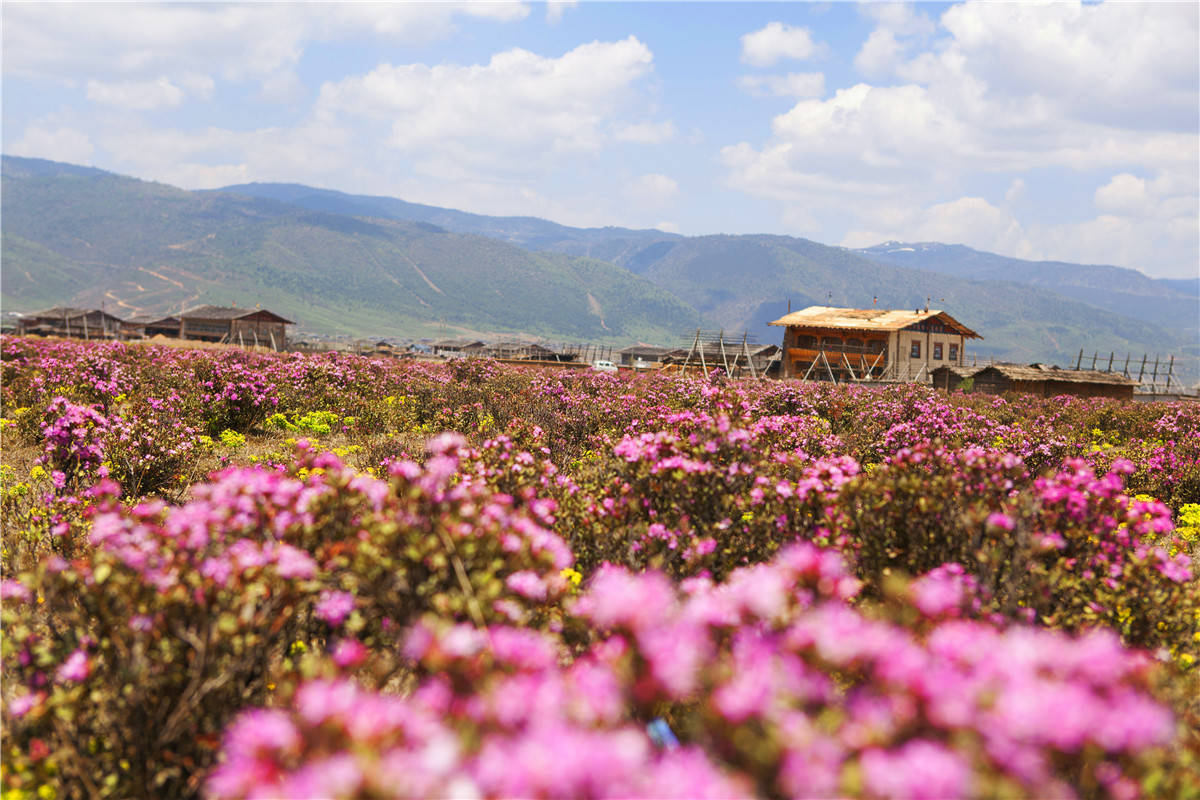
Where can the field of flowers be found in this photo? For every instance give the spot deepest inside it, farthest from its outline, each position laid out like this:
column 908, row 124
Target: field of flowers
column 260, row 576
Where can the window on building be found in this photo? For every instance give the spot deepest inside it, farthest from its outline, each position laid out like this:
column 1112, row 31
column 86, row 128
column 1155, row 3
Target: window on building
column 808, row 342
column 831, row 341
column 915, row 352
column 854, row 345
column 954, row 352
column 937, row 351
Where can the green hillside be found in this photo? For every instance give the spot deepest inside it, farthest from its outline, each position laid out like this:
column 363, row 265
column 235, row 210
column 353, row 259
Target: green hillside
column 1123, row 291
column 371, row 266
column 606, row 244
column 1028, row 311
column 88, row 238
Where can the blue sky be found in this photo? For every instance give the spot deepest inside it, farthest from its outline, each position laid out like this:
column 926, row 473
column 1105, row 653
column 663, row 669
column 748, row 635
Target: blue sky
column 1058, row 131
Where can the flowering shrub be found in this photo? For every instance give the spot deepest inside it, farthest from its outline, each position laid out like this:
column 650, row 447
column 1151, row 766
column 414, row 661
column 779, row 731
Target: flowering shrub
column 182, row 615
column 771, row 683
column 150, row 447
column 698, row 496
column 74, row 441
column 659, row 585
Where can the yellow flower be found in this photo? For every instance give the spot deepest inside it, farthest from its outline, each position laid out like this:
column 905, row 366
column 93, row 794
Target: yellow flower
column 571, row 575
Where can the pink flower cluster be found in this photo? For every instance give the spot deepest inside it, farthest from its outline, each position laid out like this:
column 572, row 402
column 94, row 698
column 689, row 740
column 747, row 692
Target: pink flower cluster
column 775, row 651
column 73, row 436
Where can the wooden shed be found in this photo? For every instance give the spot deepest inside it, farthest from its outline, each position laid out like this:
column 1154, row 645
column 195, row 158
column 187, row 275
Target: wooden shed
column 954, row 378
column 648, row 354
column 455, row 348
column 1038, row 379
column 146, row 326
column 82, row 323
column 242, row 326
column 827, row 343
column 518, row 350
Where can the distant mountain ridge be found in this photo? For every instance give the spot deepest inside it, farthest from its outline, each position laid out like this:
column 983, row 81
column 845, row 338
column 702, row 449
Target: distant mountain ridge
column 375, row 266
column 527, row 232
column 1117, row 289
column 1027, row 311
column 91, row 237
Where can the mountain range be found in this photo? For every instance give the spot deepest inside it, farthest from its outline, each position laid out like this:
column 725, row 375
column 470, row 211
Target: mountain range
column 379, row 266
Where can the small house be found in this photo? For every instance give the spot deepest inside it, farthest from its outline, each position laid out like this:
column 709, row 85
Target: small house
column 82, row 323
column 147, row 326
column 826, row 343
column 646, row 354
column 1040, row 380
column 457, row 348
column 516, row 350
column 233, row 325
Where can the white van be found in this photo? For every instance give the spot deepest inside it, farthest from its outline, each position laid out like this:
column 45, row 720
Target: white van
column 604, row 366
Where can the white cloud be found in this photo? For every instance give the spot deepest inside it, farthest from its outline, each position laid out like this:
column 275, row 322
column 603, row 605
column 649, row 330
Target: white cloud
column 505, row 115
column 900, row 18
column 1149, row 224
column 55, row 143
column 645, row 132
column 1124, row 64
column 211, row 157
column 879, row 55
column 198, row 84
column 1162, row 246
column 135, row 95
column 653, row 190
column 143, row 41
column 556, row 8
column 1124, row 194
column 972, row 221
column 1009, row 90
column 1016, row 191
column 794, row 84
column 778, row 40
column 898, row 29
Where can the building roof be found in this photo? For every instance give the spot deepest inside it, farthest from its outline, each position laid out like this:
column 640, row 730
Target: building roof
column 1041, row 372
column 869, row 319
column 228, row 312
column 961, row 372
column 646, row 350
column 150, row 319
column 457, row 343
column 58, row 312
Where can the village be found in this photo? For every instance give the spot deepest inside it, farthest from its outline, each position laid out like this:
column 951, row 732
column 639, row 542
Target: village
column 819, row 343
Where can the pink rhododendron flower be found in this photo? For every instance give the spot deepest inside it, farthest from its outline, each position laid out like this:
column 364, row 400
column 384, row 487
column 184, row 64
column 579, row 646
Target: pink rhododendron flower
column 75, row 669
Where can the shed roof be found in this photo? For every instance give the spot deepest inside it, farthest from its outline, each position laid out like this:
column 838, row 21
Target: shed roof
column 962, row 372
column 646, row 350
column 868, row 319
column 59, row 312
column 150, row 319
column 229, row 312
column 1041, row 372
column 457, row 343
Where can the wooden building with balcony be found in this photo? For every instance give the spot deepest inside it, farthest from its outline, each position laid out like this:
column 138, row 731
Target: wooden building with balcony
column 1035, row 379
column 79, row 323
column 852, row 344
column 147, row 326
column 233, row 325
column 457, row 348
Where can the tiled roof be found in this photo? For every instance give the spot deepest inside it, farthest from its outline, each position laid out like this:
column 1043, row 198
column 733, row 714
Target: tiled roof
column 869, row 319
